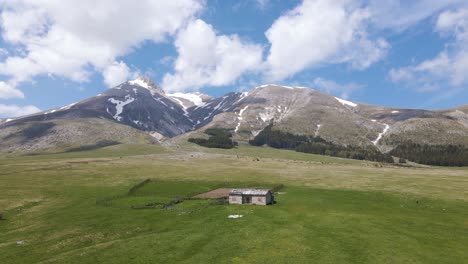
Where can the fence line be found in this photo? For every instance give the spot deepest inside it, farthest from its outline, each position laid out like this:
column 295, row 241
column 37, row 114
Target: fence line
column 108, row 201
column 138, row 186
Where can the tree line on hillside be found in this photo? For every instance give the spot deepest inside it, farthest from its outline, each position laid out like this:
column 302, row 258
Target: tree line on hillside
column 316, row 145
column 218, row 138
column 439, row 155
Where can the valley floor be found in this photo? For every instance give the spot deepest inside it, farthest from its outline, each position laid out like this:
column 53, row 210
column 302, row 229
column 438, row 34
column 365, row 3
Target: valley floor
column 331, row 210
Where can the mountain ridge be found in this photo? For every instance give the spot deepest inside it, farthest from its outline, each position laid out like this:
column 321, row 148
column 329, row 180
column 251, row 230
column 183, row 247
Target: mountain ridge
column 144, row 106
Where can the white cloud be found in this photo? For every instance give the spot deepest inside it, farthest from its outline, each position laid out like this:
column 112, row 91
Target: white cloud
column 7, row 91
column 16, row 111
column 332, row 87
column 399, row 15
column 74, row 38
column 450, row 66
column 454, row 22
column 116, row 73
column 319, row 32
column 207, row 59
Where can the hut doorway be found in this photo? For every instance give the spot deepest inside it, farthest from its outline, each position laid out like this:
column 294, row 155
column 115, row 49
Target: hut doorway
column 247, row 199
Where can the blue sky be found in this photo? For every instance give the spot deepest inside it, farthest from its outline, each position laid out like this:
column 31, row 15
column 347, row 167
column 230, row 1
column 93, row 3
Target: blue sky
column 409, row 54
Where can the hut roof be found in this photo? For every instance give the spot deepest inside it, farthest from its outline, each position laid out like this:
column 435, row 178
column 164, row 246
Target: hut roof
column 249, row 192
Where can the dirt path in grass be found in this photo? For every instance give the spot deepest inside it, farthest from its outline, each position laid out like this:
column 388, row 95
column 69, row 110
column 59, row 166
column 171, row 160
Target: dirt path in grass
column 217, row 193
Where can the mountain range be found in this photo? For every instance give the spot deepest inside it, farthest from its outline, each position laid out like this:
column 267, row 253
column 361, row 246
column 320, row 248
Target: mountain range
column 140, row 111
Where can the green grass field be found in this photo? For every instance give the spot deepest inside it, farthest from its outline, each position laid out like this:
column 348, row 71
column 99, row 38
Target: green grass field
column 330, row 211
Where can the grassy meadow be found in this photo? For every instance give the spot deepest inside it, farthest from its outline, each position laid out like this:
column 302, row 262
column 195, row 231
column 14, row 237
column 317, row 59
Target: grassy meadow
column 331, row 210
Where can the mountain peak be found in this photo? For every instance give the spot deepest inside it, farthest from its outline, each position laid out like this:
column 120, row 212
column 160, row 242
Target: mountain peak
column 147, row 83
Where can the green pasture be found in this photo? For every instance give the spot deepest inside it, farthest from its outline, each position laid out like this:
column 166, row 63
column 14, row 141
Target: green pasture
column 330, row 211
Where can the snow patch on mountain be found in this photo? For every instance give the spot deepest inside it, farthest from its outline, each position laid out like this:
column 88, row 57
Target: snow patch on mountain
column 395, row 111
column 59, row 109
column 160, row 100
column 145, row 83
column 276, row 85
column 256, row 132
column 242, row 110
column 67, row 106
column 276, row 112
column 239, row 117
column 281, row 109
column 318, row 129
column 195, row 98
column 262, row 86
column 268, row 115
column 138, row 122
column 140, row 82
column 119, row 105
column 218, row 106
column 220, row 103
column 345, row 102
column 381, row 134
column 282, row 86
column 184, row 108
column 50, row 111
column 241, row 97
column 179, row 102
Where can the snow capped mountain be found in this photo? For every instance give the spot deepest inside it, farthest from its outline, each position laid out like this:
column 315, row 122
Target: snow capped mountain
column 142, row 105
column 139, row 103
column 146, row 83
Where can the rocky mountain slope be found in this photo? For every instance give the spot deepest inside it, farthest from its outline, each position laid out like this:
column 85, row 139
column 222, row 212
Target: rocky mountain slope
column 139, row 108
column 301, row 110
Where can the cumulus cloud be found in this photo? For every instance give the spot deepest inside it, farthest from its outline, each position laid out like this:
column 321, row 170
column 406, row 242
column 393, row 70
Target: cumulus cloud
column 449, row 66
column 332, row 87
column 116, row 73
column 454, row 22
column 73, row 39
column 208, row 59
column 15, row 111
column 47, row 37
column 319, row 32
column 7, row 91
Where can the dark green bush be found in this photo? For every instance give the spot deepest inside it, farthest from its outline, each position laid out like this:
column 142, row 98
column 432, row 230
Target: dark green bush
column 439, row 155
column 316, row 145
column 219, row 138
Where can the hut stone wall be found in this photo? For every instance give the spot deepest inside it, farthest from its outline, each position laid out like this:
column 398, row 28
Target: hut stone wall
column 235, row 199
column 251, row 198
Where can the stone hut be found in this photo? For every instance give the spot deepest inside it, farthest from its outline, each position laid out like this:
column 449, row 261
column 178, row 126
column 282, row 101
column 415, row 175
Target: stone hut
column 250, row 196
